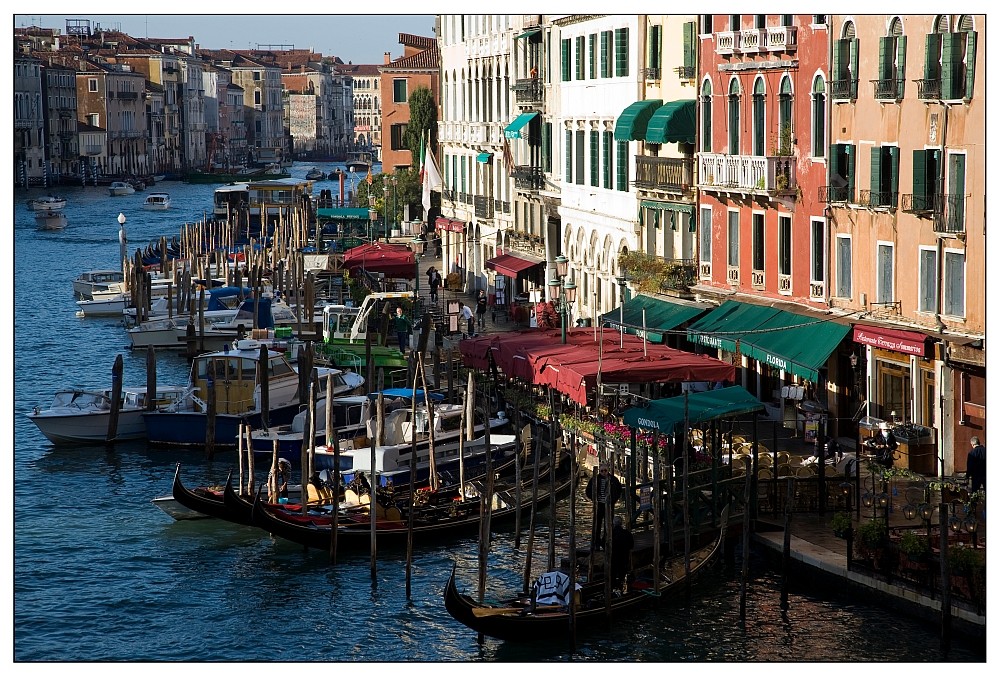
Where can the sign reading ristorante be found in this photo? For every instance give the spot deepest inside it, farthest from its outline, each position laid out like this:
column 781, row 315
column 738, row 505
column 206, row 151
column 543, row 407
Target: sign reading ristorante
column 907, row 342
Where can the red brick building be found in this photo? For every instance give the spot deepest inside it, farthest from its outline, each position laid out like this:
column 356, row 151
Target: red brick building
column 418, row 67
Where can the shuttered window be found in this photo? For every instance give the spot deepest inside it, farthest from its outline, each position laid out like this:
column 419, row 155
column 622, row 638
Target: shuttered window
column 733, row 252
column 608, row 159
column 758, row 242
column 758, row 117
column 817, row 269
column 784, row 244
column 580, row 41
column 621, row 52
column 819, row 117
column 621, row 166
column 954, row 284
column 844, row 267
column 690, row 44
column 564, row 60
column 595, row 170
column 705, row 238
column 592, row 45
column 547, row 147
column 580, row 155
column 928, row 281
column 955, row 205
column 653, row 60
column 734, row 118
column 568, row 150
column 885, row 273
column 706, row 117
column 606, row 55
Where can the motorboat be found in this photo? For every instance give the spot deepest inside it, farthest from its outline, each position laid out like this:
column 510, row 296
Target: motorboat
column 47, row 203
column 50, row 220
column 120, row 188
column 230, row 381
column 82, row 416
column 360, row 162
column 315, row 174
column 104, row 304
column 157, row 200
column 97, row 280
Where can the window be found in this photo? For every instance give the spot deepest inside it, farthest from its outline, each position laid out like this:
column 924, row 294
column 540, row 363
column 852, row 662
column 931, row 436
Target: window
column 690, row 49
column 758, row 117
column 592, row 50
column 734, row 117
column 256, row 97
column 760, row 21
column 653, row 61
column 706, row 116
column 568, row 149
column 622, row 166
column 843, row 266
column 892, row 63
column 958, row 61
column 784, row 244
column 819, row 19
column 461, row 163
column 884, row 267
column 955, row 202
column 841, row 173
column 256, row 76
column 785, row 108
column 884, row 177
column 758, row 242
column 595, row 168
column 705, row 23
column 817, row 259
column 844, row 82
column 608, row 162
column 580, row 155
column 954, row 283
column 926, row 179
column 547, row 147
column 705, row 239
column 733, row 253
column 621, row 52
column 734, row 22
column 607, row 44
column 94, row 119
column 92, row 84
column 819, row 117
column 928, row 301
column 564, row 60
column 579, row 58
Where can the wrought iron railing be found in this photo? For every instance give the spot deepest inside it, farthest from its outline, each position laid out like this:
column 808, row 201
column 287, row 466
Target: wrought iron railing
column 891, row 89
column 685, row 72
column 844, row 89
column 835, row 193
column 921, row 204
column 651, row 73
column 928, row 89
column 483, row 206
column 528, row 90
column 527, row 177
column 664, row 173
column 951, row 219
column 878, row 198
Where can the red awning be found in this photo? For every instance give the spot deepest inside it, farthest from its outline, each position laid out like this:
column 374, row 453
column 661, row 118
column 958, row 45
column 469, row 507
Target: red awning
column 907, row 342
column 510, row 265
column 442, row 223
column 392, row 260
column 539, row 357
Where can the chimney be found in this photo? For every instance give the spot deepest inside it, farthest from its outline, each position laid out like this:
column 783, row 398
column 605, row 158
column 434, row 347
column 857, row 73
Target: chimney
column 386, row 59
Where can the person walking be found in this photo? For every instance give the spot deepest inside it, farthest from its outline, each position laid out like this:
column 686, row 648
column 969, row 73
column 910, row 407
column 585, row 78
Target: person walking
column 975, row 466
column 470, row 321
column 403, row 329
column 602, row 489
column 435, row 284
column 482, row 302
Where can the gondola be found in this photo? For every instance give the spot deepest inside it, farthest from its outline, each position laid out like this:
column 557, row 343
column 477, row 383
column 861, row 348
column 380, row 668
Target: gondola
column 431, row 521
column 518, row 620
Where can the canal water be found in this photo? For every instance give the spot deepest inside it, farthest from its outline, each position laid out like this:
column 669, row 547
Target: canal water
column 100, row 574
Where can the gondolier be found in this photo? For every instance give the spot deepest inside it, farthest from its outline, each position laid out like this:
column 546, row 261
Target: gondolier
column 602, row 488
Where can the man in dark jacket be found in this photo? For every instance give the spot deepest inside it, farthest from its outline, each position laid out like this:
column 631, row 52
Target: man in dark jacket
column 622, row 543
column 975, row 465
column 602, row 489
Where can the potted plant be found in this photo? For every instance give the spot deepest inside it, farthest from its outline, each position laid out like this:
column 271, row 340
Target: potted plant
column 841, row 523
column 870, row 538
column 914, row 550
column 968, row 571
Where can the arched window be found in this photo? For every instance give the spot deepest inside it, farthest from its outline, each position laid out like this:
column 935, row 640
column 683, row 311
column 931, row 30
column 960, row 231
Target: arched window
column 706, row 116
column 734, row 117
column 819, row 117
column 758, row 116
column 892, row 59
column 844, row 80
column 785, row 106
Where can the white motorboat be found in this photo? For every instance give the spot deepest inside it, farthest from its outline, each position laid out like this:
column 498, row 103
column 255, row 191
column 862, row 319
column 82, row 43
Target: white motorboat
column 104, row 304
column 120, row 188
column 81, row 416
column 47, row 203
column 157, row 200
column 50, row 220
column 98, row 280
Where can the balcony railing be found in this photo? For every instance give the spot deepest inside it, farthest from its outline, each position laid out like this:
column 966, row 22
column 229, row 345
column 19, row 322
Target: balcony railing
column 749, row 40
column 650, row 73
column 483, row 206
column 664, row 173
column 465, row 198
column 784, row 283
column 844, row 89
column 817, row 289
column 873, row 198
column 928, row 89
column 921, row 204
column 92, row 150
column 952, row 218
column 835, row 193
column 746, row 173
column 506, row 207
column 449, row 194
column 733, row 274
column 528, row 91
column 781, row 38
column 705, row 270
column 757, row 279
column 891, row 90
column 527, row 177
column 727, row 42
column 127, row 96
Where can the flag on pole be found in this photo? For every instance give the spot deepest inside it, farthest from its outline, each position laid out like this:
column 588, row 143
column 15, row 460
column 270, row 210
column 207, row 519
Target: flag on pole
column 430, row 177
column 508, row 157
column 369, row 179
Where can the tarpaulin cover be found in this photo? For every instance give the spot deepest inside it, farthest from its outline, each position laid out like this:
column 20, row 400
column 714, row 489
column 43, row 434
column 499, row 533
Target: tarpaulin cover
column 539, row 357
column 393, row 260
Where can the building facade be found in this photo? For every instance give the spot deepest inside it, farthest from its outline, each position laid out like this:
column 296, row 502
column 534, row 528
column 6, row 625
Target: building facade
column 419, row 66
column 29, row 121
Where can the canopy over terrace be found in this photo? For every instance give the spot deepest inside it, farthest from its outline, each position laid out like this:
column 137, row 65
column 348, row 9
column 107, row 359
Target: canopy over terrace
column 539, row 357
column 666, row 414
column 393, row 260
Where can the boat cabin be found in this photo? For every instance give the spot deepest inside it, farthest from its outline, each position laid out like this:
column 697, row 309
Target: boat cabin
column 235, row 377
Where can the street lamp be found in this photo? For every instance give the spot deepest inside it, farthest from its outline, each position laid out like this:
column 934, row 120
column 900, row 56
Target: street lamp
column 563, row 291
column 385, row 193
column 417, row 244
column 622, row 280
column 393, row 179
column 122, row 240
column 372, row 215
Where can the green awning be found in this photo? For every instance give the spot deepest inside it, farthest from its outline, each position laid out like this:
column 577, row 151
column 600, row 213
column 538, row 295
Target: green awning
column 483, row 158
column 528, row 33
column 343, row 214
column 660, row 314
column 513, row 130
column 697, row 407
column 673, row 123
column 631, row 124
column 784, row 340
column 667, row 206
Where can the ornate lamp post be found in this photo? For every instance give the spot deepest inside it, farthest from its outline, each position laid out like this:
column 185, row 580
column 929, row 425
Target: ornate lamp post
column 417, row 244
column 563, row 291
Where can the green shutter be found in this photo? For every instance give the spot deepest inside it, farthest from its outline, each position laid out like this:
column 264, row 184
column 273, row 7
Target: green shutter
column 605, row 70
column 900, row 66
column 462, row 159
column 876, row 178
column 569, row 156
column 894, row 176
column 849, row 161
column 932, row 52
column 608, row 160
column 621, row 52
column 689, row 45
column 594, row 163
column 547, row 146
column 592, row 40
column 565, row 60
column 580, row 74
column 839, row 59
column 949, row 83
column 622, row 166
column 654, row 47
column 885, row 65
column 970, row 63
column 854, row 68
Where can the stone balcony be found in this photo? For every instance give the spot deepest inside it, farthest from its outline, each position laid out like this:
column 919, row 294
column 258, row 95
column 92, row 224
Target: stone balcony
column 753, row 174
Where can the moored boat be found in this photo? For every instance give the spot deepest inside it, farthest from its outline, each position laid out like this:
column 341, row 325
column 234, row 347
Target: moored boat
column 50, row 220
column 97, row 280
column 120, row 188
column 47, row 203
column 315, row 174
column 156, row 201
